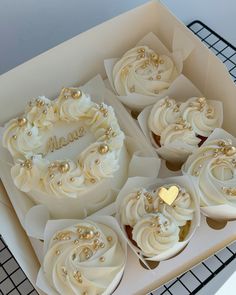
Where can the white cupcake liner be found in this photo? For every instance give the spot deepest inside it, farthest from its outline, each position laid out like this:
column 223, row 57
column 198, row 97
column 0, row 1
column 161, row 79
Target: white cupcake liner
column 218, row 212
column 178, row 53
column 177, row 151
column 137, row 183
column 55, row 225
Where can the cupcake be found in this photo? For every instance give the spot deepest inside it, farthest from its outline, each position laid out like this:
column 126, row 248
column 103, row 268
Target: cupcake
column 87, row 257
column 65, row 150
column 213, row 167
column 159, row 222
column 145, row 73
column 142, row 70
column 177, row 129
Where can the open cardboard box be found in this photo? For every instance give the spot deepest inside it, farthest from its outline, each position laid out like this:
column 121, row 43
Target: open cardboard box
column 76, row 61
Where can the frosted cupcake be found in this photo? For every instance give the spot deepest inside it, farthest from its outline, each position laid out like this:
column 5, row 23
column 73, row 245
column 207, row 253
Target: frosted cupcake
column 159, row 222
column 66, row 150
column 177, row 129
column 85, row 258
column 213, row 167
column 142, row 70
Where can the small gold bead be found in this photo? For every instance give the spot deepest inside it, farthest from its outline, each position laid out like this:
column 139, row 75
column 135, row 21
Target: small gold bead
column 76, row 94
column 102, row 259
column 85, row 293
column 97, row 234
column 229, row 150
column 87, row 256
column 59, row 183
column 103, row 149
column 76, row 241
column 29, row 133
column 141, row 50
column 113, row 134
column 58, row 252
column 97, row 161
column 72, row 179
column 51, row 176
column 153, row 224
column 45, row 112
column 158, row 77
column 64, row 167
column 14, row 137
column 161, row 61
column 102, row 245
column 109, row 238
column 92, row 180
column 21, row 121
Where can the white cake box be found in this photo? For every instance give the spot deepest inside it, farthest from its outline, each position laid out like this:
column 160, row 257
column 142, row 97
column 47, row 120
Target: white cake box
column 75, row 62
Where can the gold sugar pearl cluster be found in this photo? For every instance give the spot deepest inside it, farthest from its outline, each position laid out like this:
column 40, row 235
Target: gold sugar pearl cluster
column 103, row 110
column 70, row 92
column 183, row 124
column 27, row 164
column 229, row 191
column 158, row 226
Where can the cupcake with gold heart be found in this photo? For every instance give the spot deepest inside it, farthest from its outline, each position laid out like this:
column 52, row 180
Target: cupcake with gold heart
column 82, row 257
column 176, row 129
column 158, row 217
column 69, row 153
column 213, row 168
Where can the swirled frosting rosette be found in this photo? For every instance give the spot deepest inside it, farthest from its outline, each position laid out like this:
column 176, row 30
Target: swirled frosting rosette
column 83, row 257
column 65, row 150
column 145, row 72
column 158, row 217
column 213, row 167
column 176, row 129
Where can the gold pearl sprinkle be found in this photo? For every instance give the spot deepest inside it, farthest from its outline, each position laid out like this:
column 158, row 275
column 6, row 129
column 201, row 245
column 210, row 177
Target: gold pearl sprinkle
column 102, row 245
column 59, row 183
column 97, row 162
column 76, row 94
column 29, row 133
column 85, row 293
column 72, row 179
column 158, row 77
column 229, row 150
column 161, row 61
column 51, row 176
column 102, row 259
column 45, row 112
column 64, row 167
column 103, row 149
column 109, row 238
column 21, row 121
column 58, row 252
column 92, row 180
column 87, row 256
column 97, row 234
column 141, row 50
column 14, row 137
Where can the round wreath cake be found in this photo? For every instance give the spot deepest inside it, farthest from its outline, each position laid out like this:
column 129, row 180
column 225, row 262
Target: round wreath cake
column 68, row 153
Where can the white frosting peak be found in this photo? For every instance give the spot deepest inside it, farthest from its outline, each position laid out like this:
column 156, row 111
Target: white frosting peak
column 84, row 258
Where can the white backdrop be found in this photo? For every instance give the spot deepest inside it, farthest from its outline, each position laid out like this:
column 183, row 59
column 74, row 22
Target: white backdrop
column 29, row 27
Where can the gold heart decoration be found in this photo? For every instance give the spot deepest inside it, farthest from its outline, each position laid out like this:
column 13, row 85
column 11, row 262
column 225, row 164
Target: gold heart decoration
column 169, row 195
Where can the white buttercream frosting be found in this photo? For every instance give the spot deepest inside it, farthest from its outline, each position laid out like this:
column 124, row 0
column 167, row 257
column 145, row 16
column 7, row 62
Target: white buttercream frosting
column 214, row 169
column 155, row 224
column 84, row 259
column 143, row 71
column 182, row 126
column 155, row 233
column 31, row 137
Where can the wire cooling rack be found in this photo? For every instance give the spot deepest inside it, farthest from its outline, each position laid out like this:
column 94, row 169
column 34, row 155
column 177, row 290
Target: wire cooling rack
column 13, row 280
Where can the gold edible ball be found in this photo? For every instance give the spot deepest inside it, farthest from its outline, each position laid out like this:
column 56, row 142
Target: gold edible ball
column 64, row 167
column 88, row 234
column 76, row 94
column 201, row 99
column 103, row 149
column 21, row 121
column 229, row 150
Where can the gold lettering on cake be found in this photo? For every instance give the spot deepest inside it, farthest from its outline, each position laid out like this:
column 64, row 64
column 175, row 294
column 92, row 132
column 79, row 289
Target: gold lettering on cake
column 55, row 143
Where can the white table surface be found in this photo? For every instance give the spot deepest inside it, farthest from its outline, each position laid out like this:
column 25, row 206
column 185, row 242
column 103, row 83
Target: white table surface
column 30, row 27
